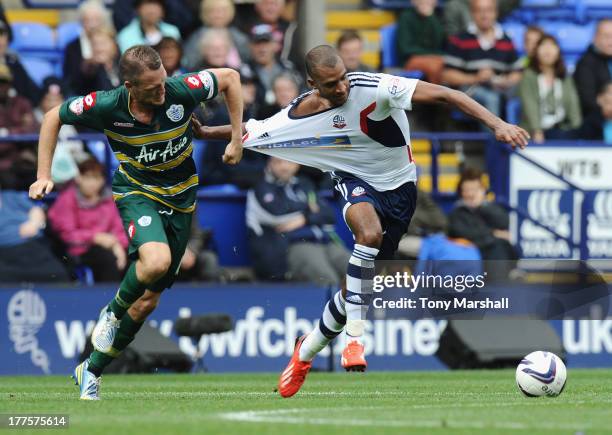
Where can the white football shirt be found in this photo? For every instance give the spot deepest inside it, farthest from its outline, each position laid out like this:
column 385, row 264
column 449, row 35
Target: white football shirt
column 367, row 137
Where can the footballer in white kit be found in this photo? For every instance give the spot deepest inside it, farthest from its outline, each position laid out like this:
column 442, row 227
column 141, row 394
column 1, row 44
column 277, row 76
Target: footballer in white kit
column 354, row 126
column 364, row 144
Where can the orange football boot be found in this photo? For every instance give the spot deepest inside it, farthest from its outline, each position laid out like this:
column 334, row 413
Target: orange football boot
column 293, row 377
column 353, row 357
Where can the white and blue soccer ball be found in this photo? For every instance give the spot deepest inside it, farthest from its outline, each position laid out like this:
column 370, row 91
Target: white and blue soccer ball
column 541, row 374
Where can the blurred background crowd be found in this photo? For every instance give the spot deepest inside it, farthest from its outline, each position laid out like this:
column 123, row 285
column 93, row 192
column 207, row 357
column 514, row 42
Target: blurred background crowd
column 545, row 64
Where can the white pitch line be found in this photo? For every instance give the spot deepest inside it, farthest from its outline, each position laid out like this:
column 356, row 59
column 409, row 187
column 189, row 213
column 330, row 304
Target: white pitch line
column 287, row 416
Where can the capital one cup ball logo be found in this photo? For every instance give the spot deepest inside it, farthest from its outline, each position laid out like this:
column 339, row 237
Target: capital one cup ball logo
column 26, row 314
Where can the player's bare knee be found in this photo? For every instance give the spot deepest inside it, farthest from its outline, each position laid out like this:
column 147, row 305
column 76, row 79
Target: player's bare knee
column 157, row 265
column 371, row 238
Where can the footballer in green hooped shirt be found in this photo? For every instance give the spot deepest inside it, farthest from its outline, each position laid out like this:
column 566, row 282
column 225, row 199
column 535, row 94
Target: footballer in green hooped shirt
column 147, row 121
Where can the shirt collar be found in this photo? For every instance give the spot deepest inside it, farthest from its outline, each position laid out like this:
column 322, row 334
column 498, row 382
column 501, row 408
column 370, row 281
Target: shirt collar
column 499, row 32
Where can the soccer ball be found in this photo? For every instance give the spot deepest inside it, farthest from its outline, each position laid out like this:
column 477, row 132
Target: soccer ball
column 541, row 374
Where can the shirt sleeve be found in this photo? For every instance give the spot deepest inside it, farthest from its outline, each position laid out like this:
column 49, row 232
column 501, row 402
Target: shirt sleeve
column 82, row 111
column 396, row 92
column 196, row 87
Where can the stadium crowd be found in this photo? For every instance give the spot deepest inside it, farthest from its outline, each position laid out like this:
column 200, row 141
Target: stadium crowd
column 461, row 44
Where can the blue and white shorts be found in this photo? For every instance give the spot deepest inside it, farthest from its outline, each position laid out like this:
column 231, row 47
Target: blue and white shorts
column 394, row 207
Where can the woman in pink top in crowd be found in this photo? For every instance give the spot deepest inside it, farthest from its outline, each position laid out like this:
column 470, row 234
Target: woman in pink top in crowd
column 85, row 218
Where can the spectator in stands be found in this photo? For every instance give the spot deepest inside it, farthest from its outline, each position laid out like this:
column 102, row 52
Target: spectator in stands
column 483, row 223
column 85, row 218
column 25, row 255
column 457, row 16
column 265, row 65
column 350, row 49
column 598, row 125
column 287, row 222
column 181, row 13
column 594, row 69
column 199, row 262
column 16, row 117
column 171, row 53
column 270, row 12
column 93, row 16
column 428, row 219
column 101, row 71
column 530, row 40
column 67, row 152
column 217, row 14
column 285, row 90
column 22, row 82
column 215, row 49
column 420, row 38
column 482, row 61
column 148, row 26
column 4, row 20
column 549, row 102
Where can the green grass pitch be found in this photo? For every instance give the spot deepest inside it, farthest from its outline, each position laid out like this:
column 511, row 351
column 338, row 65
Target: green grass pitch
column 464, row 402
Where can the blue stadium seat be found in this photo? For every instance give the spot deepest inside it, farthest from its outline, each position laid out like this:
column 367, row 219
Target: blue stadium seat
column 540, row 3
column 66, row 33
column 199, row 146
column 533, row 11
column 38, row 69
column 513, row 111
column 571, row 59
column 574, row 38
column 222, row 208
column 388, row 35
column 32, row 37
column 516, row 32
column 594, row 9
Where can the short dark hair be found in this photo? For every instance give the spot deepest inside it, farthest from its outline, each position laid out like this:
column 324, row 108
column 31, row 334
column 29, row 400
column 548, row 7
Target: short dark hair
column 535, row 29
column 91, row 165
column 534, row 63
column 136, row 60
column 348, row 36
column 605, row 88
column 469, row 174
column 138, row 3
column 321, row 55
column 169, row 42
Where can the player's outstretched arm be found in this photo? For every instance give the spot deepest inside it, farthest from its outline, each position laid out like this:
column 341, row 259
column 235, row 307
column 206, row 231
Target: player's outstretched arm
column 228, row 82
column 46, row 147
column 504, row 132
column 205, row 132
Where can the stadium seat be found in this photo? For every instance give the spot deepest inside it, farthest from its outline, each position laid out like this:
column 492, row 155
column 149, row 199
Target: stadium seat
column 540, row 3
column 222, row 208
column 199, row 147
column 572, row 38
column 388, row 35
column 533, row 11
column 516, row 32
column 32, row 37
column 66, row 33
column 38, row 69
column 513, row 111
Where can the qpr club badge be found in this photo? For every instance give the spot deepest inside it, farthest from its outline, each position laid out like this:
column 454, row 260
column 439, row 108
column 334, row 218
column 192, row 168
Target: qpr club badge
column 175, row 112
